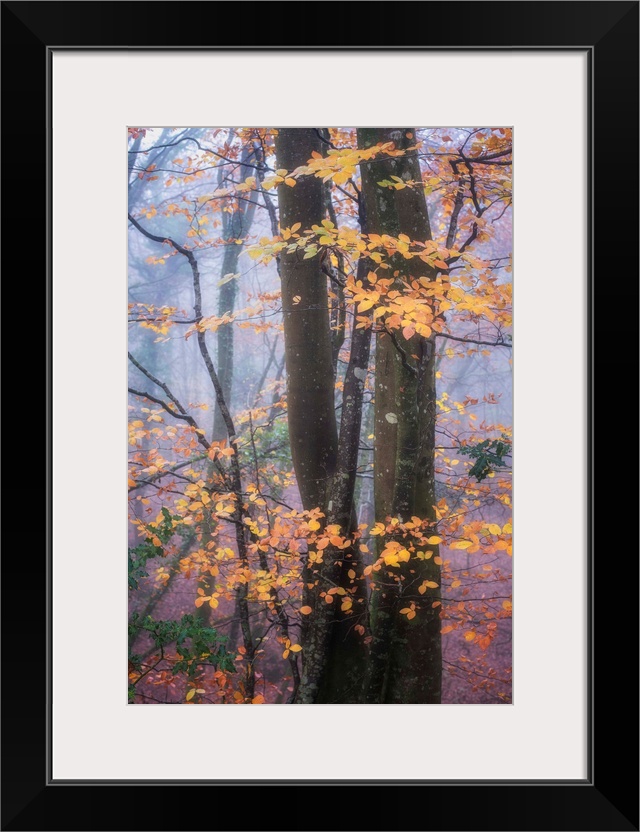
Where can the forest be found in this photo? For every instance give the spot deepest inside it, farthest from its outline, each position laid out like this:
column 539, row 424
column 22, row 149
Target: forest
column 320, row 435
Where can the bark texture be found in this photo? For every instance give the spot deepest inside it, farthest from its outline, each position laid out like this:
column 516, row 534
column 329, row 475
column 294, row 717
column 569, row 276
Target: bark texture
column 333, row 654
column 406, row 656
column 305, row 308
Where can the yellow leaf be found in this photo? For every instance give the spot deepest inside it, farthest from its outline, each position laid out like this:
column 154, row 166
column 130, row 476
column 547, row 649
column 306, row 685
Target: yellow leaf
column 461, row 544
column 295, row 648
column 191, row 694
column 494, row 528
column 258, row 700
column 306, row 610
column 351, row 573
column 290, row 182
column 431, row 584
column 469, row 635
column 507, row 605
column 314, row 525
column 434, row 540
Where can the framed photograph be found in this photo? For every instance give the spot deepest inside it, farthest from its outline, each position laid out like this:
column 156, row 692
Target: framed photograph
column 364, row 264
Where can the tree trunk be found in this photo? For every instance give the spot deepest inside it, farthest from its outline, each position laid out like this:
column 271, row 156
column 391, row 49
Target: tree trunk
column 406, row 663
column 235, row 227
column 305, row 308
column 343, row 677
column 333, row 653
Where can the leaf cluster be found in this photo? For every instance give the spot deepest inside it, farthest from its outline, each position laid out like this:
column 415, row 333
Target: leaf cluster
column 151, row 548
column 196, row 645
column 489, row 456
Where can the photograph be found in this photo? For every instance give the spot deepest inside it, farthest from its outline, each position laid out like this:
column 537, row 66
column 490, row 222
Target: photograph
column 320, row 415
column 331, row 436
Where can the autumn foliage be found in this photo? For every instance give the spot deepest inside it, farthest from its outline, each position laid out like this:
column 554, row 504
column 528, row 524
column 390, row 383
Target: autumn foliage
column 320, row 436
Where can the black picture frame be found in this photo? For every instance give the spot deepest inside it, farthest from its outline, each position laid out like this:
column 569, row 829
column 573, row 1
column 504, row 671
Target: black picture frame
column 608, row 798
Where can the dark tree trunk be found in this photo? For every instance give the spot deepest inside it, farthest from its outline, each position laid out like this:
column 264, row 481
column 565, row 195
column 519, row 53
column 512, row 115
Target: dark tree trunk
column 406, row 662
column 310, row 388
column 333, row 655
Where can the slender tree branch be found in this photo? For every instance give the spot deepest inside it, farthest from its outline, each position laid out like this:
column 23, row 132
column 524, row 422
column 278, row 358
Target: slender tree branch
column 499, row 343
column 401, row 352
column 159, row 383
column 201, row 148
column 457, row 207
column 185, row 417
